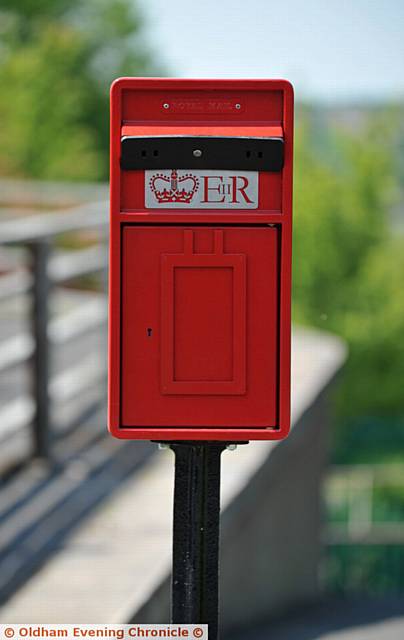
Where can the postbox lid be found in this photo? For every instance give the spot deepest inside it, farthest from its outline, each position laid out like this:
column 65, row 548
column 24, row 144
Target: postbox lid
column 248, row 147
column 216, row 130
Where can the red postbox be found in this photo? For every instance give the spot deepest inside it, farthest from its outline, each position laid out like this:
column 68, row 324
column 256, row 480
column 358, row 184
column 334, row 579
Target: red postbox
column 200, row 259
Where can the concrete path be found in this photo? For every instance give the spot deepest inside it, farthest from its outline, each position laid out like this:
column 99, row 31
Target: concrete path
column 352, row 619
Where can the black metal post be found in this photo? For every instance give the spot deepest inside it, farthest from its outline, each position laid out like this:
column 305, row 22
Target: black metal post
column 195, row 589
column 40, row 361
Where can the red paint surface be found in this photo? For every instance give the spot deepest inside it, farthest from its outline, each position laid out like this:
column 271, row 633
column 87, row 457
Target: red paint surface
column 199, row 336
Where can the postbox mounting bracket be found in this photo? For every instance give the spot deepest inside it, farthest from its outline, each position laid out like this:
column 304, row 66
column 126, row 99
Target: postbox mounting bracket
column 202, row 152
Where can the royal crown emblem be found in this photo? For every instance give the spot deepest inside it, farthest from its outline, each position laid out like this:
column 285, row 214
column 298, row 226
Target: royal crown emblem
column 174, row 188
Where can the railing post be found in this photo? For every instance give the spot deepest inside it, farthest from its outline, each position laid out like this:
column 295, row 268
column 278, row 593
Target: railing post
column 40, row 252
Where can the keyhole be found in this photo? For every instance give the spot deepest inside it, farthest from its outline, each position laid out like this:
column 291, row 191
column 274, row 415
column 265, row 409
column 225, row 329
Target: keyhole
column 149, row 332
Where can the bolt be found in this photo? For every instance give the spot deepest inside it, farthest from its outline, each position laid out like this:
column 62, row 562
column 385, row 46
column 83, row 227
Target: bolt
column 166, row 105
column 231, row 447
column 238, row 105
column 197, row 153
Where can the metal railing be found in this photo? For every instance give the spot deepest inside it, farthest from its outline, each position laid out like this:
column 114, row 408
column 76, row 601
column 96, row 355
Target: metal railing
column 44, row 268
column 354, row 491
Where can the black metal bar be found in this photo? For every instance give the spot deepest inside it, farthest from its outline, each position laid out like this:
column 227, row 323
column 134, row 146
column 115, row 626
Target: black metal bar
column 202, row 152
column 40, row 252
column 195, row 590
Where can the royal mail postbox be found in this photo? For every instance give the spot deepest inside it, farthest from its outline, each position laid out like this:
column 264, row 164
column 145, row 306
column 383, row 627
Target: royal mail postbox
column 200, row 259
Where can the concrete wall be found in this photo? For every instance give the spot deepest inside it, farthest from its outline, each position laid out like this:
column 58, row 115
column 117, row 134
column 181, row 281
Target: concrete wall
column 271, row 533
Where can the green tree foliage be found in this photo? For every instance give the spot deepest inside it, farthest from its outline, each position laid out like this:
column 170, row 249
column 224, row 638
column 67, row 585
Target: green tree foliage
column 349, row 260
column 57, row 60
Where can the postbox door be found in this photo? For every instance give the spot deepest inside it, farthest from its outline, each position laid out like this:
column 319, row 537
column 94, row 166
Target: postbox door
column 199, row 326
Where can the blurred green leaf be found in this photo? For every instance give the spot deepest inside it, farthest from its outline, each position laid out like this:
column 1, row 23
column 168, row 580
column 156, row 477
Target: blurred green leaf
column 348, row 259
column 58, row 60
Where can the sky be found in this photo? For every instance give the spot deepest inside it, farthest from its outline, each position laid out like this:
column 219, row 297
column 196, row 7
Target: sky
column 331, row 50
